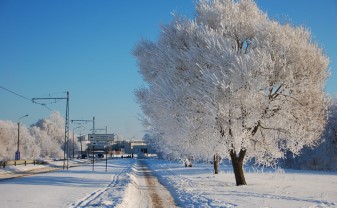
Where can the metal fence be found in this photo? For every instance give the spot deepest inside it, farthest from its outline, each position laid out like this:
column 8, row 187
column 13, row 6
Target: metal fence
column 3, row 164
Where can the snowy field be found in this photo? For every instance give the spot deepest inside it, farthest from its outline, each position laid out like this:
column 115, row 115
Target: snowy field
column 124, row 185
column 198, row 187
column 77, row 187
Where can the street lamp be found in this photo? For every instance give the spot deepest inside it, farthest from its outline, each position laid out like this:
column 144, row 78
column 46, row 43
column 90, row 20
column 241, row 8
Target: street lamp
column 17, row 154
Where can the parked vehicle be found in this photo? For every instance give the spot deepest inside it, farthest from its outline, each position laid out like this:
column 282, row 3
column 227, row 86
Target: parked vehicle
column 82, row 157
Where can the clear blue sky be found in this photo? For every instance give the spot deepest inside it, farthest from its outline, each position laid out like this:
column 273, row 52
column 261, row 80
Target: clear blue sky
column 84, row 47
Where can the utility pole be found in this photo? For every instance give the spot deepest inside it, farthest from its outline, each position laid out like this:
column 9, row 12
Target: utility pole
column 85, row 121
column 81, row 143
column 17, row 155
column 66, row 128
column 74, row 140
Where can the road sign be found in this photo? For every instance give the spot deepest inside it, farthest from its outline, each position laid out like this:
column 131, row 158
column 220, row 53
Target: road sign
column 17, row 155
column 101, row 137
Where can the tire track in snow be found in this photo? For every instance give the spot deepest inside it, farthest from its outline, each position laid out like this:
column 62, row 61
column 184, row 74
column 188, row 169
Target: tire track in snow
column 96, row 194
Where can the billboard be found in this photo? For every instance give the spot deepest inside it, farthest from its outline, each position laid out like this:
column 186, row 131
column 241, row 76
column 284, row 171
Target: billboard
column 101, row 137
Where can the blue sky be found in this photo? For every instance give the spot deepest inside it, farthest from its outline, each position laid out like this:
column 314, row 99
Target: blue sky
column 84, row 47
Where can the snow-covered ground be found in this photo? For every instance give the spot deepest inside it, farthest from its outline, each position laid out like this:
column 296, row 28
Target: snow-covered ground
column 130, row 183
column 77, row 187
column 198, row 187
column 144, row 190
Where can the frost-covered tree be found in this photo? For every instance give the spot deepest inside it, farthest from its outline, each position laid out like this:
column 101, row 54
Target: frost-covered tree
column 330, row 137
column 44, row 139
column 49, row 134
column 9, row 138
column 324, row 156
column 235, row 83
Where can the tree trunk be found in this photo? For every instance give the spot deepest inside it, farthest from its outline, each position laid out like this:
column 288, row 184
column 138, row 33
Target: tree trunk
column 216, row 164
column 188, row 163
column 237, row 163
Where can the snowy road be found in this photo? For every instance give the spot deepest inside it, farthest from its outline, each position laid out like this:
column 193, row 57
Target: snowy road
column 134, row 183
column 76, row 187
column 145, row 190
column 127, row 183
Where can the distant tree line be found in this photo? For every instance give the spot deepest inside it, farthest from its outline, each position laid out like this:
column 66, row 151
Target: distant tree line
column 43, row 139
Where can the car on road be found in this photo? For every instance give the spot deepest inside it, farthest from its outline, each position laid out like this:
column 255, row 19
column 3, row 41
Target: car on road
column 82, row 157
column 100, row 155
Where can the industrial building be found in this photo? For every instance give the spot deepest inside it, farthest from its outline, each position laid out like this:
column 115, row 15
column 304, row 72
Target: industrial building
column 107, row 142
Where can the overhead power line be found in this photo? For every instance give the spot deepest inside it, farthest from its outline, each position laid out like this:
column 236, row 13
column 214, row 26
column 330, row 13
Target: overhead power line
column 31, row 100
column 17, row 94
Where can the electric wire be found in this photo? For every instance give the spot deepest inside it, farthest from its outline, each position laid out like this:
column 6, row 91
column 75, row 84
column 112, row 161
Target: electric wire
column 52, row 94
column 31, row 100
column 17, row 94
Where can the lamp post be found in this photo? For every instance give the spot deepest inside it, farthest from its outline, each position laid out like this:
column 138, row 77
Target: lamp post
column 17, row 154
column 81, row 142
